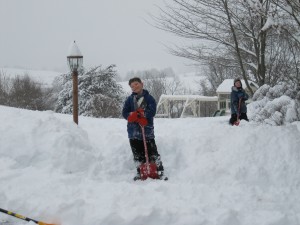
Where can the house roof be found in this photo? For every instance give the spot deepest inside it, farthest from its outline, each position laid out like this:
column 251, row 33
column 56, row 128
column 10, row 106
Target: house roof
column 225, row 86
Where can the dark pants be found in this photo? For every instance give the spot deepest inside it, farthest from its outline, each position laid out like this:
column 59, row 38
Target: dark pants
column 137, row 147
column 233, row 118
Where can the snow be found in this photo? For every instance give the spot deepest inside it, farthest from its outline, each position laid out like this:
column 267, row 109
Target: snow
column 57, row 172
column 269, row 23
column 275, row 105
column 74, row 50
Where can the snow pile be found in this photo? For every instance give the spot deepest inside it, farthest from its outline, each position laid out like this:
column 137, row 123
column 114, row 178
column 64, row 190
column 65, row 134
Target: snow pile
column 34, row 142
column 54, row 171
column 275, row 105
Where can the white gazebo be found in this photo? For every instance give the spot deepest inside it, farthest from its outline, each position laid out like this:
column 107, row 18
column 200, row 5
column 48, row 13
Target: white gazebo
column 186, row 105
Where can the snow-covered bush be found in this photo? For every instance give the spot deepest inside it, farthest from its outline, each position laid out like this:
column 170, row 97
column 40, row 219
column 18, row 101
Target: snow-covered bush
column 275, row 105
column 98, row 92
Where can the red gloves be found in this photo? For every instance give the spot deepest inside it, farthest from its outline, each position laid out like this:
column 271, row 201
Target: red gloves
column 141, row 112
column 133, row 116
column 138, row 116
column 143, row 121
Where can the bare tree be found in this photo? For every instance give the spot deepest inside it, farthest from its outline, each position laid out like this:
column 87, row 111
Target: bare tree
column 288, row 17
column 290, row 8
column 104, row 106
column 25, row 93
column 231, row 34
column 155, row 85
column 174, row 86
column 4, row 88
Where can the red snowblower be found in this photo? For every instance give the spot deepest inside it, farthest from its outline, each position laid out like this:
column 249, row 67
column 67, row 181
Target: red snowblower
column 148, row 169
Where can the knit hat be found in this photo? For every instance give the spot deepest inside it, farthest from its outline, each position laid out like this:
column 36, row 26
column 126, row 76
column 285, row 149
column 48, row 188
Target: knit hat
column 236, row 80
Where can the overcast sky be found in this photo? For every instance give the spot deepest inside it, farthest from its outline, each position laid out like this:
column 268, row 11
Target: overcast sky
column 36, row 34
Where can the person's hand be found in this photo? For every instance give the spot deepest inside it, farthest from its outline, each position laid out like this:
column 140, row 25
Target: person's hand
column 133, row 117
column 141, row 112
column 142, row 121
column 241, row 94
column 141, row 117
column 138, row 116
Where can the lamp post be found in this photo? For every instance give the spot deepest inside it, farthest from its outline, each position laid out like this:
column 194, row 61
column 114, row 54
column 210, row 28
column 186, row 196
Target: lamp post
column 75, row 60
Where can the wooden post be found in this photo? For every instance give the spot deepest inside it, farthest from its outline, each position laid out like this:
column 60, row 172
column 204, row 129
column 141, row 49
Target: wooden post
column 75, row 96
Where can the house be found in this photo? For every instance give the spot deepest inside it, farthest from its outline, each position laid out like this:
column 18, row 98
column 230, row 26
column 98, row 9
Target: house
column 224, row 91
column 179, row 106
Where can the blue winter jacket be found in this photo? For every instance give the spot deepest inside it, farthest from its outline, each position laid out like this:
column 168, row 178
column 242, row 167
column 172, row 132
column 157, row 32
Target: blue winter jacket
column 236, row 94
column 149, row 105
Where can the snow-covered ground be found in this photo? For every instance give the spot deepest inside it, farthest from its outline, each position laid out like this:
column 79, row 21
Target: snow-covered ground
column 57, row 172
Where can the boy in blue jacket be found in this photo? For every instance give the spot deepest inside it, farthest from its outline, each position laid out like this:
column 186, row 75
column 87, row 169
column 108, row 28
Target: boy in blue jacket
column 237, row 101
column 139, row 109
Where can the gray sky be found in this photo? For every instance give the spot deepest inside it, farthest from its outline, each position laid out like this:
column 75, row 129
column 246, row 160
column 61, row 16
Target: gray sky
column 36, row 34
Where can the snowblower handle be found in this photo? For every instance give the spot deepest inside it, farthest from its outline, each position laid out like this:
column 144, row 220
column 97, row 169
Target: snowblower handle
column 23, row 217
column 239, row 109
column 145, row 144
column 147, row 170
column 237, row 122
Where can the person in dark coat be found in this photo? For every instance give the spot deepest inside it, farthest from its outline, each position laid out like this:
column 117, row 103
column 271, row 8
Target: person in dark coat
column 139, row 109
column 237, row 101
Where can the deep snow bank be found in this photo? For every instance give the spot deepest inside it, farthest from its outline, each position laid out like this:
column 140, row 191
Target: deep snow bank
column 276, row 105
column 53, row 170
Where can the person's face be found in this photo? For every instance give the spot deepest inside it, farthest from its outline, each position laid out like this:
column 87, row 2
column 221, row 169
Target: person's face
column 136, row 87
column 238, row 84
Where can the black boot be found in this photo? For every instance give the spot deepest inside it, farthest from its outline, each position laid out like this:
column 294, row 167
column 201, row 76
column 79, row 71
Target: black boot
column 233, row 119
column 138, row 174
column 161, row 175
column 160, row 171
column 244, row 117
